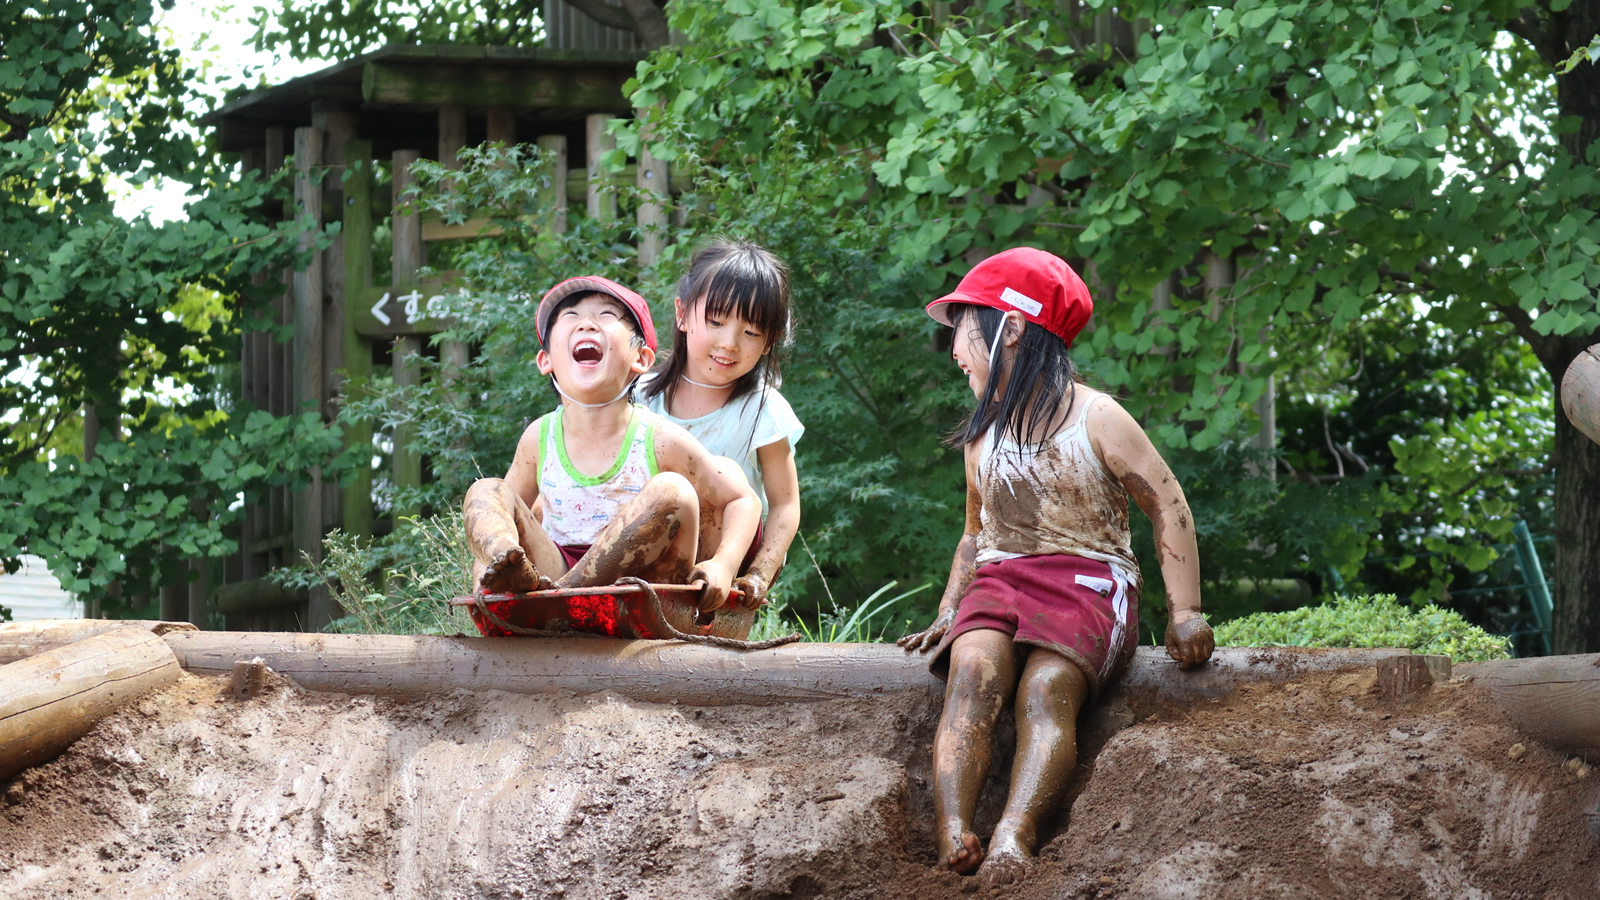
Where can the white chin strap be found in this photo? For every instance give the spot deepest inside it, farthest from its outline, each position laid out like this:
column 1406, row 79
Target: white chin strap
column 709, row 387
column 566, row 397
column 994, row 346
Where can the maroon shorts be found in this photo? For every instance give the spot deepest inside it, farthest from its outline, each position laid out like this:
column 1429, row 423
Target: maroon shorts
column 574, row 552
column 1069, row 605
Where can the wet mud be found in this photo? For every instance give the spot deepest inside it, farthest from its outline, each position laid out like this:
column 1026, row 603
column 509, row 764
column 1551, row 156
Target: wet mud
column 1318, row 788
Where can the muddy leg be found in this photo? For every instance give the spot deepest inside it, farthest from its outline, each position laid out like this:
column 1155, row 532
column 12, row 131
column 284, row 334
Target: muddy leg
column 509, row 547
column 983, row 673
column 653, row 537
column 1049, row 695
column 711, row 515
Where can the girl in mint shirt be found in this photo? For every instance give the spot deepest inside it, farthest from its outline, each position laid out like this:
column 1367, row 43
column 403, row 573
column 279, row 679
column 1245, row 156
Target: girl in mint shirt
column 720, row 383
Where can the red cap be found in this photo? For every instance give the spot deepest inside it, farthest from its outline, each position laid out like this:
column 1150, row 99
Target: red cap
column 1037, row 284
column 585, row 284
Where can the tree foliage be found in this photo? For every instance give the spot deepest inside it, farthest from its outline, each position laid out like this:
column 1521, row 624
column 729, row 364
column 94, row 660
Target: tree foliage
column 1364, row 206
column 1347, row 163
column 133, row 319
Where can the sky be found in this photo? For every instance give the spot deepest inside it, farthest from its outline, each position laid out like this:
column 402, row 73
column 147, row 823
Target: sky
column 214, row 36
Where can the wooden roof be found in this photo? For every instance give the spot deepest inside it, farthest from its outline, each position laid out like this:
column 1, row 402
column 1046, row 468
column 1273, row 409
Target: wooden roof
column 389, row 86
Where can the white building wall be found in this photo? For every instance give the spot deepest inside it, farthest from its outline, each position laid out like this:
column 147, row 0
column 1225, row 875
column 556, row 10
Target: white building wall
column 33, row 594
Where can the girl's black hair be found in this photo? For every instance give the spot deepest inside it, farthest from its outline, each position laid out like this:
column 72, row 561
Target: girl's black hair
column 1042, row 377
column 738, row 278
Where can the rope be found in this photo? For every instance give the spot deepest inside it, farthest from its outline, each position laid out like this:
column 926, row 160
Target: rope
column 714, row 640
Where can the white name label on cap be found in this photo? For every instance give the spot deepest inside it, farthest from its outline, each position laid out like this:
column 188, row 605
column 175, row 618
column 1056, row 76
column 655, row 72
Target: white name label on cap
column 1021, row 301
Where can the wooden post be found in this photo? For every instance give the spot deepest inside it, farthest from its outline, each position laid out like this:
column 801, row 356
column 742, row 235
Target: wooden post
column 52, row 699
column 553, row 153
column 452, row 138
column 407, row 231
column 452, row 135
column 309, row 371
column 1161, row 301
column 253, row 352
column 651, row 217
column 279, row 383
column 357, row 500
column 598, row 140
column 175, row 602
column 502, row 126
column 338, row 126
column 199, row 591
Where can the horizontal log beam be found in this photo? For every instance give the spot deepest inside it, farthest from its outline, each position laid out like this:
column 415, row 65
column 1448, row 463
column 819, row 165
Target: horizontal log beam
column 664, row 671
column 1554, row 699
column 51, row 699
column 479, row 87
column 255, row 595
column 20, row 640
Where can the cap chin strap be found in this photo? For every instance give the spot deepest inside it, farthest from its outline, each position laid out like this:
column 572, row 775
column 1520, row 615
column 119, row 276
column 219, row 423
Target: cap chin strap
column 709, row 387
column 568, row 398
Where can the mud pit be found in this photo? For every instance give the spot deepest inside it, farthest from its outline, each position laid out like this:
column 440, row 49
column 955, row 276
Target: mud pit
column 1314, row 789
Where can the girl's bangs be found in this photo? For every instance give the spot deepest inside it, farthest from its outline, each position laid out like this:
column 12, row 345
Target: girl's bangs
column 750, row 293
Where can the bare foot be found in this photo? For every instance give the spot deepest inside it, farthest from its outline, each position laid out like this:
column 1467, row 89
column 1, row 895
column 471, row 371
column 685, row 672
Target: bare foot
column 509, row 572
column 1006, row 863
column 967, row 855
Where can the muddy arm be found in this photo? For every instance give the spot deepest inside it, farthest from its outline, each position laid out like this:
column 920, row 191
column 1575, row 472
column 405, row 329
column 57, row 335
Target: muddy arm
column 1134, row 461
column 963, row 567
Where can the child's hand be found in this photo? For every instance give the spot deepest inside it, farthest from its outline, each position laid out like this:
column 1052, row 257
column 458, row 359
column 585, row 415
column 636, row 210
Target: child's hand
column 929, row 638
column 754, row 587
column 1189, row 639
column 715, row 579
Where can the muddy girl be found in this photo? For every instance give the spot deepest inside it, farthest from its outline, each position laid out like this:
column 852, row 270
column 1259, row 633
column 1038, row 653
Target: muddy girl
column 623, row 492
column 1043, row 595
column 720, row 382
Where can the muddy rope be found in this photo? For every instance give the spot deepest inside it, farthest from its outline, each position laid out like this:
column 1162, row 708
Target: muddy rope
column 713, row 640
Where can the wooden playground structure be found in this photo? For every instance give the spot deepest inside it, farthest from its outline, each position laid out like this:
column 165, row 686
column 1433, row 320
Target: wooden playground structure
column 336, row 127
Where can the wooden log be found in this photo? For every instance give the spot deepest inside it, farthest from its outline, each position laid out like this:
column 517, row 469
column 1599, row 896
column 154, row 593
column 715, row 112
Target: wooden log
column 1404, row 676
column 51, row 699
column 1580, row 392
column 1554, row 699
column 20, row 640
column 256, row 595
column 666, row 671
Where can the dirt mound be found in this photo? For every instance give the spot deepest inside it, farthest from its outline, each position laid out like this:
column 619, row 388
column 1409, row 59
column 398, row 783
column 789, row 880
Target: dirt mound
column 1317, row 789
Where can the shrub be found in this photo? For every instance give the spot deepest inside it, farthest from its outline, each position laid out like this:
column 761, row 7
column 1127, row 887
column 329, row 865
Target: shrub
column 1373, row 620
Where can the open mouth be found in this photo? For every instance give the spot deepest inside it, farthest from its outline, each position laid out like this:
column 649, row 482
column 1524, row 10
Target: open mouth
column 588, row 352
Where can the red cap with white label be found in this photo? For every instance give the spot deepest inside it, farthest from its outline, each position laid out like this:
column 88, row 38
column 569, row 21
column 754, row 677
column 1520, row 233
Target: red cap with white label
column 1038, row 284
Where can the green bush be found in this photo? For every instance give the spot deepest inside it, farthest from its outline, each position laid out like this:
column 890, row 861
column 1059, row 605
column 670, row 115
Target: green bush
column 422, row 565
column 1372, row 620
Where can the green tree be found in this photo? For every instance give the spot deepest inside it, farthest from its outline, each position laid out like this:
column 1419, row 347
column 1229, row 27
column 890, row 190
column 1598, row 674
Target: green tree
column 121, row 451
column 1336, row 160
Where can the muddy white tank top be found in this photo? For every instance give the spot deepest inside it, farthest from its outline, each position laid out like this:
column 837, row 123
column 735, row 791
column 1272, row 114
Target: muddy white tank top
column 1058, row 498
column 577, row 506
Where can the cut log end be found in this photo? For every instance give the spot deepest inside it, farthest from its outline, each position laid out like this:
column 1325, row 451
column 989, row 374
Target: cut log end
column 250, row 679
column 1406, row 676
